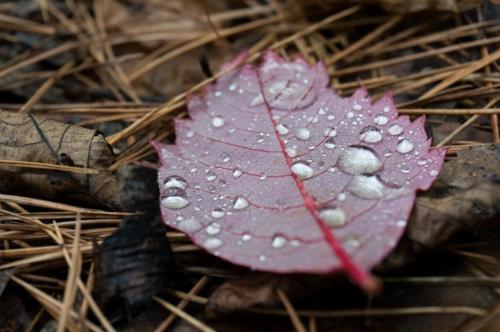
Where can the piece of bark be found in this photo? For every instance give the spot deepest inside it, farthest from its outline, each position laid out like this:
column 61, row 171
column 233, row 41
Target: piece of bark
column 28, row 138
column 466, row 197
column 136, row 261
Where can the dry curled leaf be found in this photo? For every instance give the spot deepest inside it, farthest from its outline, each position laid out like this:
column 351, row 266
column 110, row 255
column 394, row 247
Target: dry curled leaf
column 276, row 172
column 33, row 139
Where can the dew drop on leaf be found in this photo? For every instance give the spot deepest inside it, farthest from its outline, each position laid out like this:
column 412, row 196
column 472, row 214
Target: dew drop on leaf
column 359, row 159
column 240, row 203
column 174, row 198
column 303, row 134
column 404, row 146
column 217, row 213
column 174, row 181
column 395, row 129
column 370, row 134
column 302, row 170
column 218, row 122
column 279, row 241
column 333, row 217
column 369, row 187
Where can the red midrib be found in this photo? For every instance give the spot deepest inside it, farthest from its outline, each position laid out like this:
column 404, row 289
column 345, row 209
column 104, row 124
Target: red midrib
column 361, row 277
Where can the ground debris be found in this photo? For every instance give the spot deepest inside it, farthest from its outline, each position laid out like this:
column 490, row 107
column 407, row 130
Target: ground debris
column 31, row 139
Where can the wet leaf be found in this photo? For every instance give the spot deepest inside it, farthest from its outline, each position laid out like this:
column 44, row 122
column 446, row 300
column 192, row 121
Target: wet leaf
column 276, row 172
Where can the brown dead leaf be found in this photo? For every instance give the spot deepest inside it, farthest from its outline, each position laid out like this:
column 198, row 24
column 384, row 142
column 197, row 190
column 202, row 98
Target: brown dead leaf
column 29, row 139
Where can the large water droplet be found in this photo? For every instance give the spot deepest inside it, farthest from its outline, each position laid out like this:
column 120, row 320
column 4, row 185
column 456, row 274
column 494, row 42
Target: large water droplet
column 330, row 143
column 302, row 170
column 395, row 129
column 212, row 243
column 213, row 229
column 189, row 225
column 237, row 172
column 359, row 159
column 333, row 217
column 240, row 203
column 303, row 134
column 211, row 176
column 370, row 134
column 404, row 146
column 217, row 213
column 174, row 198
column 282, row 129
column 369, row 187
column 246, row 237
column 174, row 181
column 381, row 120
column 279, row 241
column 218, row 122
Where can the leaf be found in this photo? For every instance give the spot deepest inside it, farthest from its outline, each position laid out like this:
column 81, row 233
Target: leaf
column 31, row 139
column 278, row 173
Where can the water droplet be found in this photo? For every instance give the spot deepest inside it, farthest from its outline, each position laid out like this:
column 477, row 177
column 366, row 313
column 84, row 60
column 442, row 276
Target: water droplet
column 189, row 225
column 291, row 152
column 359, row 159
column 330, row 143
column 386, row 109
column 433, row 173
column 401, row 223
column 357, row 107
column 352, row 243
column 295, row 243
column 213, row 229
column 237, row 172
column 395, row 129
column 218, row 93
column 246, row 237
column 369, row 187
column 341, row 197
column 218, row 122
column 404, row 146
column 190, row 134
column 381, row 120
column 174, row 198
column 349, row 115
column 333, row 217
column 405, row 168
column 421, row 161
column 257, row 100
column 302, row 170
column 262, row 258
column 282, row 129
column 218, row 213
column 211, row 176
column 370, row 134
column 232, row 87
column 225, row 157
column 303, row 134
column 174, row 181
column 212, row 243
column 278, row 241
column 240, row 203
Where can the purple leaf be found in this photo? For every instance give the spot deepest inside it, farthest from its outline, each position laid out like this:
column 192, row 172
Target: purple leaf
column 278, row 173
